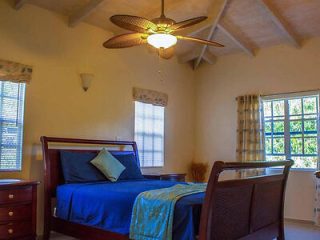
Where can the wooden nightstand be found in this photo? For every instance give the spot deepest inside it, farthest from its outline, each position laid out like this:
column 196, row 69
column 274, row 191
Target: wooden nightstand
column 18, row 208
column 177, row 177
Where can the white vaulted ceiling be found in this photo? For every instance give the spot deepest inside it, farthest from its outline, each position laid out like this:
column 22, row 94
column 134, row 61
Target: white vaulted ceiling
column 241, row 25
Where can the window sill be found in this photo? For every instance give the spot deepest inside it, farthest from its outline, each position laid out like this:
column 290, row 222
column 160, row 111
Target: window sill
column 151, row 167
column 312, row 170
column 10, row 171
column 303, row 170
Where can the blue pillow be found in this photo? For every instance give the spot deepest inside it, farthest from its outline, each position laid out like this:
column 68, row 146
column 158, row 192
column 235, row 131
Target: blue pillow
column 132, row 170
column 76, row 167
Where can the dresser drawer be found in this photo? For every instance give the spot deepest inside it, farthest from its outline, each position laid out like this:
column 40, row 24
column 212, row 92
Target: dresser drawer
column 14, row 213
column 15, row 230
column 15, row 195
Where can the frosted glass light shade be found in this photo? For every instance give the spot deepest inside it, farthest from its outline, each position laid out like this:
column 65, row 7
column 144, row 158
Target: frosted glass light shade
column 162, row 40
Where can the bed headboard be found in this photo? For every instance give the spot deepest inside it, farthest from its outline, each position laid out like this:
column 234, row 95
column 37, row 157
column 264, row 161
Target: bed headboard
column 53, row 176
column 51, row 155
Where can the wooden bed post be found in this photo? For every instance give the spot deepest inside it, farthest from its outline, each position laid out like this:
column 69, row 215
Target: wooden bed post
column 47, row 192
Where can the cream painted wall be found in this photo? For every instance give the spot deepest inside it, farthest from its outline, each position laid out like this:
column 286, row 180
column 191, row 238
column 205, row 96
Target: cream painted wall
column 56, row 105
column 274, row 70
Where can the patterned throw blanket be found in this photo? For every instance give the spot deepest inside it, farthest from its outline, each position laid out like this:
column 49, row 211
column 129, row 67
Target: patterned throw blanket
column 152, row 214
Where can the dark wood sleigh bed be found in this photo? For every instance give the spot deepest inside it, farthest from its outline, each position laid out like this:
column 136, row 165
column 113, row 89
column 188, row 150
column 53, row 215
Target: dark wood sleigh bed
column 236, row 209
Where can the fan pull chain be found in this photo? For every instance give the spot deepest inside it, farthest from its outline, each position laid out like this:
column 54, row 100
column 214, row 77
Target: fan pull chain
column 160, row 68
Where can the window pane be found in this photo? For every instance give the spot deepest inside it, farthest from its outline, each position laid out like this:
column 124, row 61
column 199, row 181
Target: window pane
column 268, row 145
column 278, row 108
column 267, row 127
column 310, row 125
column 278, row 127
column 305, row 162
column 158, row 159
column 310, row 105
column 278, row 145
column 158, row 144
column 267, row 109
column 310, row 146
column 296, row 146
column 295, row 107
column 295, row 126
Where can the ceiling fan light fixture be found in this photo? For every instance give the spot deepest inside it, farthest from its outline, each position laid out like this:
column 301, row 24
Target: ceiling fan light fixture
column 162, row 40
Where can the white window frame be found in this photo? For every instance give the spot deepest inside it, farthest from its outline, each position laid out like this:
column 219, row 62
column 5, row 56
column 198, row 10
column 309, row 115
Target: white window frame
column 289, row 96
column 163, row 147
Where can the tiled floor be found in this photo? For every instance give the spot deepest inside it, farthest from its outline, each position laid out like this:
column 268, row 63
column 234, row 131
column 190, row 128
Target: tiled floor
column 294, row 231
column 303, row 231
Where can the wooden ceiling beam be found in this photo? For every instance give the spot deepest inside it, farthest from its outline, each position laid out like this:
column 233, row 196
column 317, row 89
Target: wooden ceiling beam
column 215, row 12
column 231, row 34
column 19, row 4
column 280, row 22
column 77, row 17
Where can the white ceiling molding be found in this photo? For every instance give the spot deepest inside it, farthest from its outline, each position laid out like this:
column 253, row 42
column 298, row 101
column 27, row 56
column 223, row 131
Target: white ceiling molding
column 231, row 34
column 209, row 57
column 215, row 13
column 188, row 56
column 193, row 55
column 280, row 22
column 77, row 17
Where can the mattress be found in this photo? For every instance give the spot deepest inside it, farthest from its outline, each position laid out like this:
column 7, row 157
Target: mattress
column 108, row 206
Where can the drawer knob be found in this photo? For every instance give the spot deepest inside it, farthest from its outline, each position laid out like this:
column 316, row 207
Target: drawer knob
column 10, row 230
column 10, row 213
column 11, row 196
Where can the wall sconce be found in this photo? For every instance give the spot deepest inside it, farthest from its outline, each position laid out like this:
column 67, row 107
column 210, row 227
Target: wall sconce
column 86, row 79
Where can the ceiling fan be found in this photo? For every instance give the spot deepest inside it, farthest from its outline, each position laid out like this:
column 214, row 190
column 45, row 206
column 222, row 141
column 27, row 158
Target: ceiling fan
column 159, row 33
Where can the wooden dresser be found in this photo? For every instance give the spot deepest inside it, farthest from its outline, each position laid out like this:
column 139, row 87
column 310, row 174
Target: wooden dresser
column 177, row 177
column 18, row 206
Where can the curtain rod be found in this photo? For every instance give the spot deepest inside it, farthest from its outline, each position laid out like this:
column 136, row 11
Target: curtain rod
column 275, row 94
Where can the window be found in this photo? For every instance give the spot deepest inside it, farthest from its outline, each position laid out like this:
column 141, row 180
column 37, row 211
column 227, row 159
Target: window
column 149, row 134
column 291, row 129
column 11, row 127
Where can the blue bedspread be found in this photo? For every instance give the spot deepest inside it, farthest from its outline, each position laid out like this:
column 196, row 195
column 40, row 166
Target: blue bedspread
column 109, row 206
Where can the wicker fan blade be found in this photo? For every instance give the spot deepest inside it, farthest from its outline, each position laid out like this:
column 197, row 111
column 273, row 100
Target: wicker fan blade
column 166, row 53
column 187, row 23
column 202, row 41
column 126, row 40
column 133, row 23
